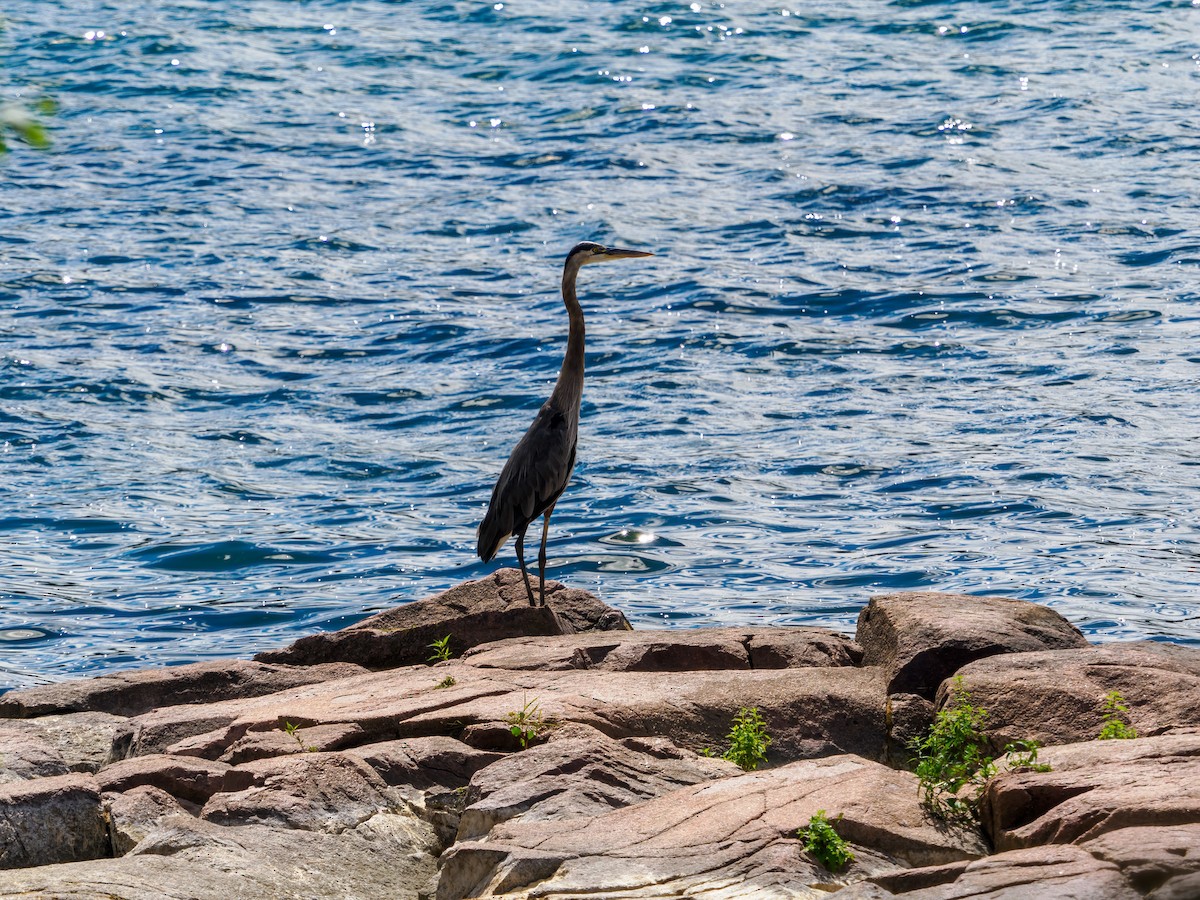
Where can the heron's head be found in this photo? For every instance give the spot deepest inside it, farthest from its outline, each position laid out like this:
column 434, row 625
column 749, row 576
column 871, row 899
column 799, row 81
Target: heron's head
column 589, row 252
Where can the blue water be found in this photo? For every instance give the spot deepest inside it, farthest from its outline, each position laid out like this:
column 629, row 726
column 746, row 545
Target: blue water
column 283, row 294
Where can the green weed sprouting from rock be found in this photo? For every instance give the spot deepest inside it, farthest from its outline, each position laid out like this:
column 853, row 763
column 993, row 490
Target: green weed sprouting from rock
column 748, row 739
column 526, row 723
column 441, row 650
column 291, row 728
column 1116, row 719
column 448, row 681
column 1023, row 755
column 823, row 842
column 956, row 754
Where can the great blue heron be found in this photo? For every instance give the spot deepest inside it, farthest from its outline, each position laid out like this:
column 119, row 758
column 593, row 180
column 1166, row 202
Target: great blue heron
column 540, row 465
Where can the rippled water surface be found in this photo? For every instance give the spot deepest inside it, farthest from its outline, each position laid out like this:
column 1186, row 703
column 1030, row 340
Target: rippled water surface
column 283, row 293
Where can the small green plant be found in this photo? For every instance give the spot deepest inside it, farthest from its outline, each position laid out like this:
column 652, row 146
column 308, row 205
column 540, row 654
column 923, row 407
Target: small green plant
column 526, row 723
column 956, row 755
column 291, row 728
column 824, row 843
column 441, row 650
column 748, row 739
column 1116, row 719
column 446, row 682
column 1023, row 755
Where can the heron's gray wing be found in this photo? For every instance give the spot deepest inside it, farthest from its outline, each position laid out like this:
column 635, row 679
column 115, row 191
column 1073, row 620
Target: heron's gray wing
column 535, row 474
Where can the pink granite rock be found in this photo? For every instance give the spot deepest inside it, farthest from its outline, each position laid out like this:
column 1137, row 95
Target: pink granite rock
column 135, row 692
column 472, row 613
column 313, row 791
column 137, row 812
column 732, row 831
column 185, row 777
column 1058, row 696
column 1037, row 873
column 1095, row 788
column 671, row 650
column 919, row 639
column 51, row 820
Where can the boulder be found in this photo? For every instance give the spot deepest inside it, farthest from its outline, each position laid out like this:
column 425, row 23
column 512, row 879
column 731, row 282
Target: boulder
column 1095, row 788
column 26, row 753
column 51, row 820
column 580, row 772
column 137, row 812
column 278, row 742
column 908, row 718
column 58, row 744
column 185, row 777
column 471, row 613
column 1184, row 887
column 424, row 763
column 1044, row 873
column 921, row 638
column 1058, row 696
column 736, row 831
column 389, row 855
column 671, row 650
column 1153, row 858
column 330, row 792
column 136, row 692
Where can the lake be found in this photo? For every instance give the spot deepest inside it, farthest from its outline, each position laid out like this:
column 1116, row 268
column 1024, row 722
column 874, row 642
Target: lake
column 283, row 293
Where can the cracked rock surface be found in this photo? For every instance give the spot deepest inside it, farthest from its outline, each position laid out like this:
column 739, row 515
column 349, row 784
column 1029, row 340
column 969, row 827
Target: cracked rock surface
column 346, row 766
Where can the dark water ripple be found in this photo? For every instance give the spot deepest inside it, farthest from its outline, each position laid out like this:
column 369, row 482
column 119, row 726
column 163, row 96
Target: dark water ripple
column 282, row 295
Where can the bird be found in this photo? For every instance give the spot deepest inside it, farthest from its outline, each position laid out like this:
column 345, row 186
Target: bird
column 540, row 465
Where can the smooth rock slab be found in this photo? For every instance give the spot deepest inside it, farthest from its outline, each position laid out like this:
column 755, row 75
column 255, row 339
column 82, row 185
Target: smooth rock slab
column 330, row 792
column 579, row 773
column 1152, row 858
column 471, row 613
column 671, row 650
column 1039, row 873
column 266, row 744
column 733, row 832
column 181, row 776
column 1058, row 696
column 51, row 820
column 133, row 693
column 1185, row 887
column 1095, row 788
column 921, row 638
column 424, row 763
column 388, row 856
column 809, row 712
column 137, row 812
column 58, row 744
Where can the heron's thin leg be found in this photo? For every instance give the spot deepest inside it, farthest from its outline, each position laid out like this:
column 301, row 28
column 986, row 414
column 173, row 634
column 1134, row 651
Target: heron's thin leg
column 542, row 554
column 524, row 571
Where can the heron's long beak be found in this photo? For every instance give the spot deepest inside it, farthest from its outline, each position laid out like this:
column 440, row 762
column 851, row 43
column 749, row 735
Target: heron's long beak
column 617, row 253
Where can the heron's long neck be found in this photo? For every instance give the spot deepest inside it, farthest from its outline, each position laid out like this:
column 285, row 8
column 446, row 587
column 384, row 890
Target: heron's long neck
column 568, row 390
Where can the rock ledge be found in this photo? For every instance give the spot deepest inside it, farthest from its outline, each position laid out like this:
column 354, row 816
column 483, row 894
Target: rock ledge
column 346, row 766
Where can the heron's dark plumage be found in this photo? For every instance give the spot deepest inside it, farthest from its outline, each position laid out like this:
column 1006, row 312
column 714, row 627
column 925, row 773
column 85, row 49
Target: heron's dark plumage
column 540, row 465
column 533, row 478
